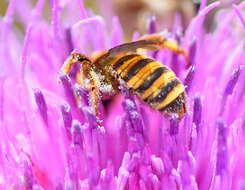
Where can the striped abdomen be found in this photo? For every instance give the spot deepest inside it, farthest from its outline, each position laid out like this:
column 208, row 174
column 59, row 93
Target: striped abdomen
column 152, row 82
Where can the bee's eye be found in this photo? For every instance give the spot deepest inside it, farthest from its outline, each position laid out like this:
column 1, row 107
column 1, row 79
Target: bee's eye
column 81, row 59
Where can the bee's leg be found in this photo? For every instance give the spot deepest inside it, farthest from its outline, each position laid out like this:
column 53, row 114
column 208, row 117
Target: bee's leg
column 94, row 92
column 86, row 77
column 94, row 97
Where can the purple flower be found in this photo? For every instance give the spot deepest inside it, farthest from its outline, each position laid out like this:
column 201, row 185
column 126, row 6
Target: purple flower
column 49, row 135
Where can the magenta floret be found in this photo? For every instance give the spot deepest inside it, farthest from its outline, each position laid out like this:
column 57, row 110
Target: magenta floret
column 51, row 138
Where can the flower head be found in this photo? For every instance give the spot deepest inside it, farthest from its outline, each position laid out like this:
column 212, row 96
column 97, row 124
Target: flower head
column 50, row 137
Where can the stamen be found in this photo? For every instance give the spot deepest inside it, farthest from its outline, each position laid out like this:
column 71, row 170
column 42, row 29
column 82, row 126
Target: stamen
column 37, row 12
column 67, row 118
column 98, row 25
column 83, row 93
column 83, row 11
column 229, row 88
column 208, row 8
column 177, row 178
column 232, row 82
column 69, row 182
column 41, row 103
column 203, row 4
column 134, row 123
column 134, row 161
column 96, row 19
column 69, row 42
column 174, row 125
column 8, row 18
column 77, row 138
column 153, row 181
column 222, row 155
column 133, row 115
column 117, row 33
column 189, row 78
column 123, row 176
column 197, row 110
column 192, row 51
column 157, row 165
column 106, row 176
column 25, row 51
column 1, row 98
column 197, row 22
column 90, row 117
column 152, row 25
column 68, row 90
column 178, row 30
column 26, row 167
column 55, row 18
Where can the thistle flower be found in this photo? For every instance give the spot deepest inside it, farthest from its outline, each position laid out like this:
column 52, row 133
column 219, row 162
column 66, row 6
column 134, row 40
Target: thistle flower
column 49, row 140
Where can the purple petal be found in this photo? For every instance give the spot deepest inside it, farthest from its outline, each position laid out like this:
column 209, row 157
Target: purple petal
column 239, row 14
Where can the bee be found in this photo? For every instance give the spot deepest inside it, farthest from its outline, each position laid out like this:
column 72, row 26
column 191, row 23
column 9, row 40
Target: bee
column 148, row 79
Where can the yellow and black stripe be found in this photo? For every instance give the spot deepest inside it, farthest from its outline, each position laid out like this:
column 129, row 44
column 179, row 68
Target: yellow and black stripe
column 151, row 81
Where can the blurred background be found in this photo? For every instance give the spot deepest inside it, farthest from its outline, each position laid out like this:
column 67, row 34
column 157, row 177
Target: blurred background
column 134, row 14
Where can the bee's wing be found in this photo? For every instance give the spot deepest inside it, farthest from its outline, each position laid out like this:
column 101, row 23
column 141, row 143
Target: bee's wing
column 132, row 47
column 126, row 48
column 149, row 42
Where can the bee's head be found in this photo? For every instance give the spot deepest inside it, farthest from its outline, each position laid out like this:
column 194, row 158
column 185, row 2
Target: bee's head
column 77, row 57
column 73, row 59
